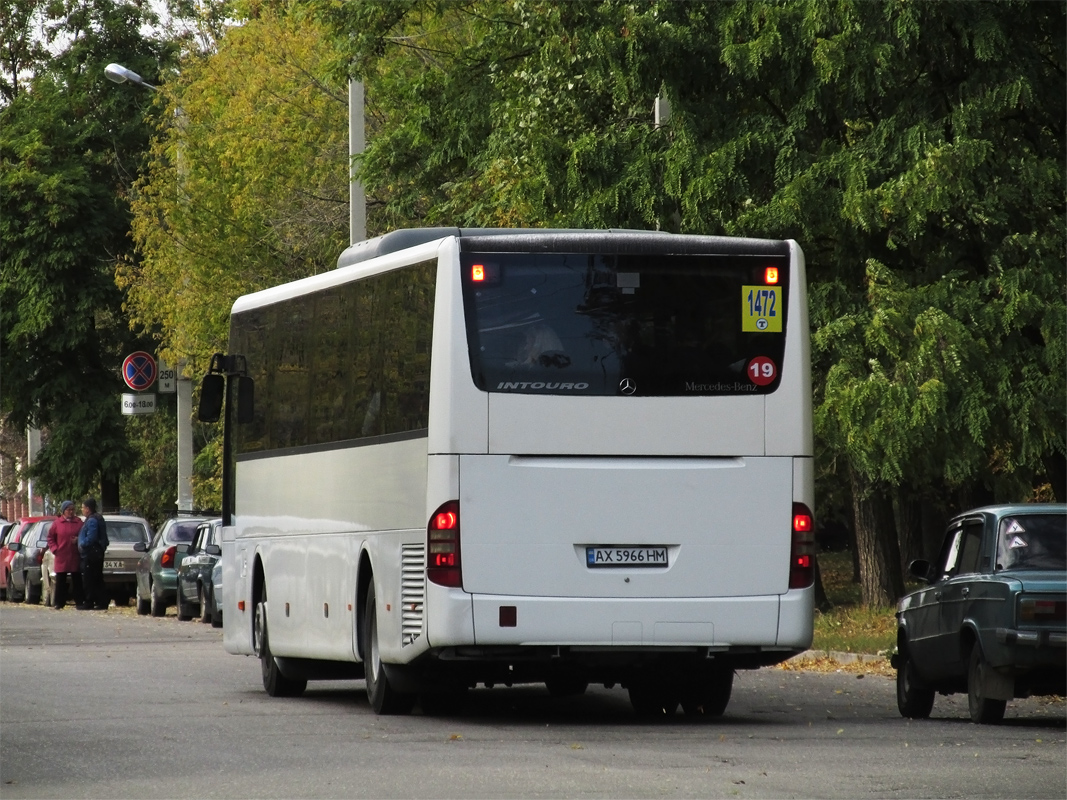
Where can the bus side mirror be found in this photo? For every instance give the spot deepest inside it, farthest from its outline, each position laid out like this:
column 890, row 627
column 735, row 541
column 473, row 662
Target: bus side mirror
column 212, row 391
column 246, row 392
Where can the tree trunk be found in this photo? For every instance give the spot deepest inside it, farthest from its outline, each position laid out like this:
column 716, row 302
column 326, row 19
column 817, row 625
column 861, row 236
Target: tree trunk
column 881, row 578
column 822, row 602
column 109, row 495
column 909, row 526
column 934, row 522
column 1056, row 472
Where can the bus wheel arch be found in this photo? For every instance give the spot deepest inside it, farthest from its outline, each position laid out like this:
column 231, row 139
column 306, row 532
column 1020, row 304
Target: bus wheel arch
column 364, row 578
column 258, row 583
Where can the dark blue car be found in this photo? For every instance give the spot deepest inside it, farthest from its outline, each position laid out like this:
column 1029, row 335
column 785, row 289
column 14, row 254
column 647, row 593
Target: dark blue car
column 992, row 618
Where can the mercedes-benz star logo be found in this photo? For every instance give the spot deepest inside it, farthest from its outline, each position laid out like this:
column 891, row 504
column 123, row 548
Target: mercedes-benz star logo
column 627, row 386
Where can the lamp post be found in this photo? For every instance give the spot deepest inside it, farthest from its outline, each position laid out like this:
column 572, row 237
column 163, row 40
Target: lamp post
column 120, row 74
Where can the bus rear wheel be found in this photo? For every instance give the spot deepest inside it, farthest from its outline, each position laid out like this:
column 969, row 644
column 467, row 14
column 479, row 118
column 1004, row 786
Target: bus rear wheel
column 274, row 683
column 708, row 696
column 384, row 699
column 652, row 697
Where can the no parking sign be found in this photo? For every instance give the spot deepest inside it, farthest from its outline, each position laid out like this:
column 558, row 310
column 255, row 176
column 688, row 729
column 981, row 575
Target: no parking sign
column 139, row 370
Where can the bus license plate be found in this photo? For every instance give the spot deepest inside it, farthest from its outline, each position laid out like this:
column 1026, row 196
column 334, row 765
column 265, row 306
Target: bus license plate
column 626, row 556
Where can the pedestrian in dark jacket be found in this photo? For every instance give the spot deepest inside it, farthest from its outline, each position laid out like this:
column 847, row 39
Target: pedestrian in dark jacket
column 63, row 542
column 92, row 542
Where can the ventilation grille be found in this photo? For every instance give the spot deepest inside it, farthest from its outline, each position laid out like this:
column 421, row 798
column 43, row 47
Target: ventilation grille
column 412, row 590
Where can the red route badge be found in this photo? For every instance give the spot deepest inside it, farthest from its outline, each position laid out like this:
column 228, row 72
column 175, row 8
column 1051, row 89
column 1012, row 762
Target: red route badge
column 762, row 371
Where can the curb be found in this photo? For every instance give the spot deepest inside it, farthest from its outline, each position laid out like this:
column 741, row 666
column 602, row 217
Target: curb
column 839, row 657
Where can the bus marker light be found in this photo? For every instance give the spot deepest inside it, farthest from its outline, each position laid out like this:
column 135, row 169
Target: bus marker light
column 508, row 616
column 770, row 276
column 478, row 273
column 240, row 605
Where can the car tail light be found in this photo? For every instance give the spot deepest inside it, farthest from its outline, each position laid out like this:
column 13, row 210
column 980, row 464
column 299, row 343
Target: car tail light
column 802, row 555
column 1031, row 609
column 442, row 546
column 168, row 557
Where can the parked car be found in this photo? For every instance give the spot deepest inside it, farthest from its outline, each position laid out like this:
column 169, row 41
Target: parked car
column 992, row 619
column 6, row 532
column 194, row 592
column 124, row 533
column 25, row 573
column 216, row 594
column 157, row 569
column 12, row 586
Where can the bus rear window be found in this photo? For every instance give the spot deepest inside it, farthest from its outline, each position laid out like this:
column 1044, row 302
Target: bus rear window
column 640, row 325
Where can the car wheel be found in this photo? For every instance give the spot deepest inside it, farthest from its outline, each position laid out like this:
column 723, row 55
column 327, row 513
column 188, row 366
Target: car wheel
column 205, row 604
column 275, row 684
column 384, row 699
column 709, row 695
column 651, row 697
column 13, row 594
column 33, row 593
column 144, row 605
column 185, row 611
column 983, row 709
column 914, row 700
column 157, row 606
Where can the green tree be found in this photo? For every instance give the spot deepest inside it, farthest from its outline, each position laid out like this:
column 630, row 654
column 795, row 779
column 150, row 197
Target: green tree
column 247, row 188
column 68, row 143
column 914, row 149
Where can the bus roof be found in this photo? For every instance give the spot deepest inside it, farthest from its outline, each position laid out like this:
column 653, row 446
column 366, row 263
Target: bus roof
column 541, row 237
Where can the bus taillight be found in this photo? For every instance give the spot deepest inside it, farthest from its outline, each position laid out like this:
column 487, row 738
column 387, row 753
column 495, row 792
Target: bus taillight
column 802, row 552
column 442, row 546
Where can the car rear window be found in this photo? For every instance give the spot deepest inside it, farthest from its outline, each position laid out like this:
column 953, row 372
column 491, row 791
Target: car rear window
column 625, row 324
column 120, row 531
column 1032, row 541
column 182, row 532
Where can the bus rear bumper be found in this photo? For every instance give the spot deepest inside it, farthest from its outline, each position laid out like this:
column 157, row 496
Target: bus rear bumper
column 774, row 621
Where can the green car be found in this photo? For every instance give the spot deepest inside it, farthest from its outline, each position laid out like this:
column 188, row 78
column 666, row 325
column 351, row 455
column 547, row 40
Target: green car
column 992, row 618
column 195, row 593
column 157, row 569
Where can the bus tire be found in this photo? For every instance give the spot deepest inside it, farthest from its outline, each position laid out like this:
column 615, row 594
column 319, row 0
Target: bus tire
column 274, row 683
column 710, row 695
column 566, row 685
column 652, row 698
column 384, row 699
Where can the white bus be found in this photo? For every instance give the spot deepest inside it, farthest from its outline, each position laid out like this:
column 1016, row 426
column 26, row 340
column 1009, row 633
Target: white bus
column 506, row 456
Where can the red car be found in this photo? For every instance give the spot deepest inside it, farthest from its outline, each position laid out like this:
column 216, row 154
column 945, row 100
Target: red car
column 7, row 591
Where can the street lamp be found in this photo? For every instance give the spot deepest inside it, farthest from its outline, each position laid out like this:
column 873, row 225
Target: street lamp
column 120, row 74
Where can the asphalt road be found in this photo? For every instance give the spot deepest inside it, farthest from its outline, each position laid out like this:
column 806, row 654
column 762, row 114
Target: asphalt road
column 111, row 705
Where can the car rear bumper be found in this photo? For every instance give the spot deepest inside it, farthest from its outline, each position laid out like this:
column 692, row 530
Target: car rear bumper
column 1035, row 639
